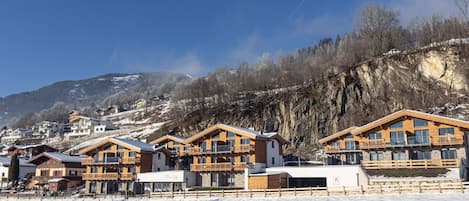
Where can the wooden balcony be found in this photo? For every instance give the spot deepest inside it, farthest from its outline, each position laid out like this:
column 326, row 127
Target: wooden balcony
column 219, row 167
column 87, row 161
column 448, row 140
column 372, row 144
column 127, row 176
column 243, row 148
column 101, row 176
column 129, row 160
column 410, row 164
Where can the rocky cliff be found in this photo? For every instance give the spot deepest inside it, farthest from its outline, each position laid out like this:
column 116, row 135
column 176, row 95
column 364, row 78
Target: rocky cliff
column 423, row 79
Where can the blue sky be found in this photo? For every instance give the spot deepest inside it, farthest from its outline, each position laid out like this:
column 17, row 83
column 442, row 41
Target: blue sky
column 46, row 41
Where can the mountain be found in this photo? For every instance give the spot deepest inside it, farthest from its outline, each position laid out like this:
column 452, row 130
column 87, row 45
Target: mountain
column 92, row 91
column 432, row 80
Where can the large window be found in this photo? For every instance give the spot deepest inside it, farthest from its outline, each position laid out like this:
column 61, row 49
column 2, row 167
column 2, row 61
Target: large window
column 448, row 154
column 397, row 138
column 376, row 156
column 398, row 155
column 420, row 122
column 421, row 137
column 245, row 141
column 421, row 155
column 446, row 131
column 396, row 125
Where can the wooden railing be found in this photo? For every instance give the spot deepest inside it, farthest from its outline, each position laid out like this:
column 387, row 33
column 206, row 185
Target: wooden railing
column 100, row 176
column 372, row 144
column 448, row 140
column 234, row 149
column 214, row 167
column 243, row 148
column 129, row 160
column 127, row 176
column 410, row 164
column 87, row 161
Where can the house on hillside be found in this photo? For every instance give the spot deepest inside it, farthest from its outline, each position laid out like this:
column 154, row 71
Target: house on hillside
column 29, row 151
column 57, row 172
column 16, row 135
column 406, row 139
column 47, row 129
column 85, row 126
column 111, row 165
column 25, row 168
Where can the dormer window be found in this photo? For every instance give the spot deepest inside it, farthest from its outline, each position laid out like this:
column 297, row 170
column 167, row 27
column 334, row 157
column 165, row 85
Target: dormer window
column 398, row 124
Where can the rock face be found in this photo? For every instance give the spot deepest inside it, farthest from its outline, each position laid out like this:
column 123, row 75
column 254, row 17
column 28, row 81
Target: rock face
column 417, row 80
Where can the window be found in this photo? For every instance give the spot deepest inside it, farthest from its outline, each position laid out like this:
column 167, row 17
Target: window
column 349, row 145
column 57, row 173
column 230, row 134
column 273, row 160
column 131, row 169
column 176, row 143
column 376, row 156
column 398, row 155
column 348, row 136
column 120, row 154
column 216, row 136
column 132, row 154
column 448, row 154
column 203, row 146
column 44, row 172
column 421, row 137
column 108, row 148
column 72, row 173
column 335, row 143
column 230, row 142
column 420, row 122
column 231, row 159
column 273, row 144
column 119, row 147
column 245, row 159
column 374, row 136
column 396, row 125
column 94, row 169
column 159, row 156
column 421, row 155
column 157, row 169
column 245, row 141
column 201, row 160
column 446, row 131
column 214, row 159
column 397, row 138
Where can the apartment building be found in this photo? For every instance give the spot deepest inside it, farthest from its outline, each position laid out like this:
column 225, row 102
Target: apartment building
column 111, row 165
column 81, row 126
column 56, row 171
column 224, row 155
column 405, row 139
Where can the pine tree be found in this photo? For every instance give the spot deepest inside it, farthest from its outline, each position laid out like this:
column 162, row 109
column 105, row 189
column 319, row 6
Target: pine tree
column 14, row 169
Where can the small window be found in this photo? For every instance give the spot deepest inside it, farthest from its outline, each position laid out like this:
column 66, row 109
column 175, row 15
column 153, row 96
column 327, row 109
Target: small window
column 273, row 160
column 230, row 134
column 132, row 154
column 273, row 144
column 216, row 136
column 376, row 156
column 245, row 159
column 159, row 156
column 420, row 123
column 348, row 136
column 214, row 160
column 94, row 169
column 72, row 173
column 230, row 142
column 201, row 160
column 396, row 125
column 157, row 169
column 245, row 141
column 119, row 147
column 446, row 131
column 131, row 170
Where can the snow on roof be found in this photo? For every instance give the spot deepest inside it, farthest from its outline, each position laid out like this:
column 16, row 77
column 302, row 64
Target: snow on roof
column 5, row 161
column 247, row 130
column 65, row 157
column 143, row 146
column 267, row 173
column 57, row 180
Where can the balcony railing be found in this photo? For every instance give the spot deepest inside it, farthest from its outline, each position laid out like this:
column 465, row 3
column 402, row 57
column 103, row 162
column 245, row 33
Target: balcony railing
column 127, row 176
column 410, row 164
column 219, row 167
column 87, row 161
column 220, row 149
column 414, row 140
column 448, row 140
column 101, row 176
column 129, row 160
column 372, row 144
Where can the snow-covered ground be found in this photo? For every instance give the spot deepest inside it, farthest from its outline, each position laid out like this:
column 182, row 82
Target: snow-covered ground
column 403, row 197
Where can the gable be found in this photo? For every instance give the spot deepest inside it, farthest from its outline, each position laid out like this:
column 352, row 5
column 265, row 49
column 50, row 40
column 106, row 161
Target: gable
column 222, row 127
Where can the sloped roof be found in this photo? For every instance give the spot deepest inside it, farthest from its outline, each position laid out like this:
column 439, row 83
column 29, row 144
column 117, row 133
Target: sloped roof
column 28, row 146
column 394, row 116
column 5, row 161
column 64, row 158
column 412, row 113
column 337, row 135
column 130, row 144
column 169, row 137
column 235, row 129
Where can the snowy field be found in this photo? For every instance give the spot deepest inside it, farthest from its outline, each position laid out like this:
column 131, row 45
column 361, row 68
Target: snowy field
column 403, row 197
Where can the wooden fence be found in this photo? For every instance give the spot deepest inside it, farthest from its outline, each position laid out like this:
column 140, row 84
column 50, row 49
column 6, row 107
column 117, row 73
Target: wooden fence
column 461, row 187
